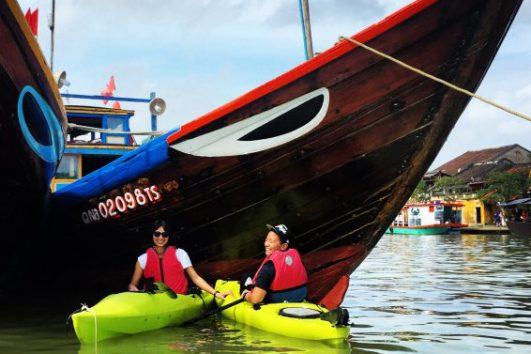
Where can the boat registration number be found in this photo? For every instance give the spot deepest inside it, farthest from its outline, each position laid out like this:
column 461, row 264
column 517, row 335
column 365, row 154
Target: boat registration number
column 119, row 205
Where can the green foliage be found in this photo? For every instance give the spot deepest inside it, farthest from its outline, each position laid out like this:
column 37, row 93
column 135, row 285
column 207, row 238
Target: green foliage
column 447, row 181
column 421, row 193
column 506, row 186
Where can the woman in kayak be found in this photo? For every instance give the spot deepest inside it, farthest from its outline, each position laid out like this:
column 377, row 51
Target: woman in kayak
column 281, row 276
column 167, row 264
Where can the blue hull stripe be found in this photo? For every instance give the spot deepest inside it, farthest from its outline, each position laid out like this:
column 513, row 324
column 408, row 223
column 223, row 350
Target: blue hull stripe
column 132, row 165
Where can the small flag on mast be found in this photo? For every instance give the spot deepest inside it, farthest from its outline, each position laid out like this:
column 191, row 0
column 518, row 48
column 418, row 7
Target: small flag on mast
column 32, row 17
column 109, row 89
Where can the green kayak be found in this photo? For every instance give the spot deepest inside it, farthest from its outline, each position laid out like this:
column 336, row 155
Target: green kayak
column 292, row 319
column 135, row 312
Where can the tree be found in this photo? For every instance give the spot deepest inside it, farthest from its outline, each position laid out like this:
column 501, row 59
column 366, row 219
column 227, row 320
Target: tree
column 420, row 193
column 501, row 186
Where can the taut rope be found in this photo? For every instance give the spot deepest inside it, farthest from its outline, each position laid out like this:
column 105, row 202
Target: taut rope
column 434, row 78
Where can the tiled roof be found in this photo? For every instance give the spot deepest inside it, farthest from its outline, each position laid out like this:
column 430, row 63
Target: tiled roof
column 460, row 163
column 520, row 168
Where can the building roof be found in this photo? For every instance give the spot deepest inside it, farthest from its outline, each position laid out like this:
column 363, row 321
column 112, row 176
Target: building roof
column 474, row 158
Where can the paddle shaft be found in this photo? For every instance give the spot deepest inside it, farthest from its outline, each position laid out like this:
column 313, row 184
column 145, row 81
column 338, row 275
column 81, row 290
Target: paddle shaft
column 213, row 312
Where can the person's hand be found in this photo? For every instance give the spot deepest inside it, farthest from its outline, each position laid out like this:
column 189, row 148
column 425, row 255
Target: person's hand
column 244, row 293
column 222, row 295
column 132, row 287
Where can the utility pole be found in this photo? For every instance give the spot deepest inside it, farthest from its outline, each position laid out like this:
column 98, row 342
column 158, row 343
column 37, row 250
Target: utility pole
column 306, row 29
column 51, row 24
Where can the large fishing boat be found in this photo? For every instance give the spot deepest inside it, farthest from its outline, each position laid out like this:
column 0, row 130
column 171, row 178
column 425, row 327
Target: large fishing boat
column 32, row 120
column 32, row 126
column 332, row 148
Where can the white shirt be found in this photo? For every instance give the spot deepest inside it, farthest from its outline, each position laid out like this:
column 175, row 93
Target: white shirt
column 181, row 255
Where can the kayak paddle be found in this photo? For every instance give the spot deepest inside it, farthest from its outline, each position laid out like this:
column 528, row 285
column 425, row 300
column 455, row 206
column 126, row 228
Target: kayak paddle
column 213, row 312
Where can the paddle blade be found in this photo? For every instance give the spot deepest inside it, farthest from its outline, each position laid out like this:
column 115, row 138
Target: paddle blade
column 337, row 317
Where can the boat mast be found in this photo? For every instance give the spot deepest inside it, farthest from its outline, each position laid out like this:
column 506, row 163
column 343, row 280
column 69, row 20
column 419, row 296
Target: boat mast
column 306, row 30
column 51, row 24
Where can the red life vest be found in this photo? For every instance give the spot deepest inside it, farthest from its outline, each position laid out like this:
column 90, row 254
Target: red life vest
column 167, row 270
column 289, row 270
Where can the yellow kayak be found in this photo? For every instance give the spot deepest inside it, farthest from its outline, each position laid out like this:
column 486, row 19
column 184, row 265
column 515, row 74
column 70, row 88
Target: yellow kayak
column 135, row 312
column 292, row 319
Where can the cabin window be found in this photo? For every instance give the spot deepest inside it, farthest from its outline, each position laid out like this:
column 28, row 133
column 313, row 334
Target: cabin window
column 117, row 125
column 68, row 167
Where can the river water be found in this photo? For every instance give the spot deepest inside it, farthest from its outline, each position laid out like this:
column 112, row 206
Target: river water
column 413, row 294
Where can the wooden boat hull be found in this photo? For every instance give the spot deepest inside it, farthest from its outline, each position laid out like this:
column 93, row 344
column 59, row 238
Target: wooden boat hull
column 32, row 126
column 32, row 119
column 519, row 228
column 332, row 148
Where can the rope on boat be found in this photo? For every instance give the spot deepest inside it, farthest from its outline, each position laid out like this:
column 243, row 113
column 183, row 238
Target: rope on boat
column 113, row 132
column 434, row 78
column 84, row 307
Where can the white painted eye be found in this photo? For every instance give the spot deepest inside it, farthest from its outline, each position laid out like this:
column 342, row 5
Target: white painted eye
column 263, row 131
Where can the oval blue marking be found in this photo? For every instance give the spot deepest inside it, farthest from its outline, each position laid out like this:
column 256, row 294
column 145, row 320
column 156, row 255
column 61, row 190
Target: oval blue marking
column 49, row 153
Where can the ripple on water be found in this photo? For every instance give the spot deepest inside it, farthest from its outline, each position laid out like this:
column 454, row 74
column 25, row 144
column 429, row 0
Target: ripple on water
column 443, row 294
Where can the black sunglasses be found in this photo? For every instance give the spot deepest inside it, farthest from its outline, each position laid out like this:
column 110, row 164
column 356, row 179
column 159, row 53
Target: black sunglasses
column 163, row 234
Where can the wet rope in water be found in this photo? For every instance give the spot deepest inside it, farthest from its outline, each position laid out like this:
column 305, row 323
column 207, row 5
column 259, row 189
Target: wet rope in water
column 84, row 307
column 434, row 78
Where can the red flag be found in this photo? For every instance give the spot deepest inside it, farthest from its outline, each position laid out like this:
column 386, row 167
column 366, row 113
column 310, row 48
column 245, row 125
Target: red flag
column 33, row 20
column 116, row 105
column 106, row 92
column 109, row 89
column 111, row 84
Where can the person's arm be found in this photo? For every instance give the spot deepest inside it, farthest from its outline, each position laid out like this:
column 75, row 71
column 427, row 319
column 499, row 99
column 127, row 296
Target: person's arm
column 256, row 296
column 263, row 281
column 137, row 275
column 202, row 284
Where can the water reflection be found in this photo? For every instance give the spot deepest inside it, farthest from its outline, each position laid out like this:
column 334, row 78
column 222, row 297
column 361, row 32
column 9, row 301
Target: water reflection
column 427, row 294
column 445, row 293
column 215, row 336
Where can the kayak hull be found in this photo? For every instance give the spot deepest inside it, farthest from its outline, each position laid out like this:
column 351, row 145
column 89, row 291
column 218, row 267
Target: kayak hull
column 132, row 312
column 267, row 318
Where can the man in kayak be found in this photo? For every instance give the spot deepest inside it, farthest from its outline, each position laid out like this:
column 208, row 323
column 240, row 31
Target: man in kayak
column 281, row 276
column 167, row 264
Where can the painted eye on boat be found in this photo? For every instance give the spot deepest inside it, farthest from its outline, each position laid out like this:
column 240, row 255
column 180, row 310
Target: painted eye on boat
column 266, row 130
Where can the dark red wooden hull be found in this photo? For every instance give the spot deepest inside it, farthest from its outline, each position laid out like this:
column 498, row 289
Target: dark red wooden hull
column 25, row 176
column 30, row 98
column 340, row 185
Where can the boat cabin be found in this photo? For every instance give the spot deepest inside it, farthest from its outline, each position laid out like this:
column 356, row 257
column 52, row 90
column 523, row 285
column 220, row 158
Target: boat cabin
column 88, row 151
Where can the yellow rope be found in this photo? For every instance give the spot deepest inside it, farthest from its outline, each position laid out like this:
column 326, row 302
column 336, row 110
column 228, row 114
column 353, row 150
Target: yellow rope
column 441, row 81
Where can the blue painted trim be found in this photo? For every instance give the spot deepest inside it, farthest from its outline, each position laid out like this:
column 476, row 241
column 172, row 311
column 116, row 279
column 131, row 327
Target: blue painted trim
column 108, row 98
column 49, row 153
column 95, row 151
column 132, row 165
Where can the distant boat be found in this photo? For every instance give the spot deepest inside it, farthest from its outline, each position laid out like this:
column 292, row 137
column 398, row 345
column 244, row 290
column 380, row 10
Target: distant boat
column 332, row 148
column 516, row 213
column 431, row 218
column 32, row 123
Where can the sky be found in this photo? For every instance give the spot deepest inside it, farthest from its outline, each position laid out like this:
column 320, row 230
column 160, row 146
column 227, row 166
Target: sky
column 199, row 54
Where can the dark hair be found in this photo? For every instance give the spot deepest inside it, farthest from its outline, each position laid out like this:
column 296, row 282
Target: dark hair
column 164, row 224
